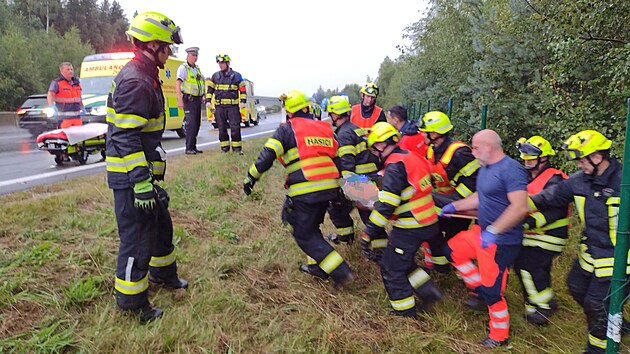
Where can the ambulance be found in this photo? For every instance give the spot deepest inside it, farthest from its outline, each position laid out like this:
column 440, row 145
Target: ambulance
column 99, row 70
column 249, row 113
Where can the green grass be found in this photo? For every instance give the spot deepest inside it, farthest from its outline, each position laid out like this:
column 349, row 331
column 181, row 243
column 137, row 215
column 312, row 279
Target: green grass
column 58, row 247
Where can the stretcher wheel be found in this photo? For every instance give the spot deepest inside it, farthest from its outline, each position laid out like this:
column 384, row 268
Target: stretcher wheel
column 103, row 154
column 58, row 159
column 82, row 157
column 181, row 132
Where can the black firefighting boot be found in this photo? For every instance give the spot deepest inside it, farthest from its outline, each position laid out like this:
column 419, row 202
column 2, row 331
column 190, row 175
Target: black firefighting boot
column 491, row 343
column 314, row 270
column 146, row 314
column 173, row 283
column 410, row 313
column 430, row 294
column 540, row 316
column 344, row 282
column 475, row 302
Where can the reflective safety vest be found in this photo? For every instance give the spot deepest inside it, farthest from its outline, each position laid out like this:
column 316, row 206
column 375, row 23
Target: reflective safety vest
column 195, row 83
column 441, row 181
column 416, row 198
column 542, row 235
column 313, row 157
column 364, row 123
column 68, row 99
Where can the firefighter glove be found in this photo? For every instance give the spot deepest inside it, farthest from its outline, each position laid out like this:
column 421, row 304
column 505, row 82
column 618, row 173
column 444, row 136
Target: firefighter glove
column 248, row 185
column 447, row 210
column 144, row 195
column 488, row 238
column 367, row 250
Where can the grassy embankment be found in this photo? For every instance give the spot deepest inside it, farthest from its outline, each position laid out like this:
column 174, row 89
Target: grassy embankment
column 58, row 247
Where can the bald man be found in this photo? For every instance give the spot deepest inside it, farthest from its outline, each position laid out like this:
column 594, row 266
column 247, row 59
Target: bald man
column 495, row 241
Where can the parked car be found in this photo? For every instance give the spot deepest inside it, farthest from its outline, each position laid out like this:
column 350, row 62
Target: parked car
column 35, row 115
column 261, row 111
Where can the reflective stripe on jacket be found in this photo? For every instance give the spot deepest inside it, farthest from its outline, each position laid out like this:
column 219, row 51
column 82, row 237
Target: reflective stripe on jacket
column 444, row 183
column 227, row 87
column 547, row 230
column 135, row 118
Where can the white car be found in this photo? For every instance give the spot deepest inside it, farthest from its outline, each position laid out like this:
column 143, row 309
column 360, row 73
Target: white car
column 261, row 112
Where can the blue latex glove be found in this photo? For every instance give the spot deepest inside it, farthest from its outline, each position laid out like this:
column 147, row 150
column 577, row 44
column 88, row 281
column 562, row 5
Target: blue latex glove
column 447, row 209
column 488, row 239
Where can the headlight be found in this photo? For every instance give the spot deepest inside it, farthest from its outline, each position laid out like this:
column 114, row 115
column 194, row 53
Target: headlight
column 49, row 112
column 99, row 110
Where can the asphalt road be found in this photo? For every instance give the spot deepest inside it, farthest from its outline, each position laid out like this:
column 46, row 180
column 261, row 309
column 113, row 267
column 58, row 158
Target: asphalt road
column 23, row 165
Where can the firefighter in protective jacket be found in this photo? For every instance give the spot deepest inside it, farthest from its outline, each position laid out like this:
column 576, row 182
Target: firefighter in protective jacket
column 306, row 148
column 596, row 193
column 454, row 177
column 545, row 235
column 367, row 113
column 353, row 157
column 230, row 94
column 405, row 199
column 135, row 161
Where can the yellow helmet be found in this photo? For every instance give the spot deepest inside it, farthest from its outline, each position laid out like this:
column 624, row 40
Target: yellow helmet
column 534, row 147
column 381, row 132
column 338, row 105
column 436, row 122
column 585, row 143
column 222, row 57
column 295, row 101
column 370, row 89
column 153, row 26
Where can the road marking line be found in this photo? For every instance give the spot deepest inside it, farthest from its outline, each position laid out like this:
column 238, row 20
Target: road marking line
column 26, row 180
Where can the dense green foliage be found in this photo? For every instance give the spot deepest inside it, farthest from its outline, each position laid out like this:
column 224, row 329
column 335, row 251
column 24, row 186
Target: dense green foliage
column 549, row 67
column 36, row 36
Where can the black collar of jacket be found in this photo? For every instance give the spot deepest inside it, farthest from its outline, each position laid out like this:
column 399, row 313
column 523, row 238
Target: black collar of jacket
column 439, row 150
column 147, row 63
column 605, row 177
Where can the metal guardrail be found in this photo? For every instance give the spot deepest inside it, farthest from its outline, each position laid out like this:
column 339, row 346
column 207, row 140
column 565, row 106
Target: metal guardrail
column 7, row 118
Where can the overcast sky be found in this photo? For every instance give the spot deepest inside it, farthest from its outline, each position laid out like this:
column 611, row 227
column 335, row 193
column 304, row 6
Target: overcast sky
column 283, row 45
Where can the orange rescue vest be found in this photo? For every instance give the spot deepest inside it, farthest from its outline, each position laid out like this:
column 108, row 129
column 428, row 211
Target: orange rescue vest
column 316, row 147
column 438, row 172
column 534, row 187
column 415, row 144
column 418, row 176
column 365, row 123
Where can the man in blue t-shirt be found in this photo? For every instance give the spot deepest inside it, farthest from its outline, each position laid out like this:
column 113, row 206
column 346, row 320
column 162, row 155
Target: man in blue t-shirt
column 495, row 242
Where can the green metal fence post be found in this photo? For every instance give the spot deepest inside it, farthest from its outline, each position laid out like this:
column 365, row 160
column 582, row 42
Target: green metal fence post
column 419, row 116
column 450, row 108
column 619, row 277
column 428, row 105
column 484, row 114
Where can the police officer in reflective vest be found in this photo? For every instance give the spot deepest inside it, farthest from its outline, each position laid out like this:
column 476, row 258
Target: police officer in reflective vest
column 454, row 177
column 405, row 199
column 306, row 148
column 191, row 89
column 64, row 95
column 354, row 157
column 545, row 235
column 135, row 161
column 367, row 113
column 596, row 193
column 230, row 94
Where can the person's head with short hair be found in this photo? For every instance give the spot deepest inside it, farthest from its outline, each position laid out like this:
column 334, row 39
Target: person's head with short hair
column 153, row 34
column 338, row 109
column 397, row 116
column 66, row 70
column 591, row 149
column 487, row 147
column 192, row 54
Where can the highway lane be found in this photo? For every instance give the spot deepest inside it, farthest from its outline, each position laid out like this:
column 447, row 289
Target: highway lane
column 23, row 165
